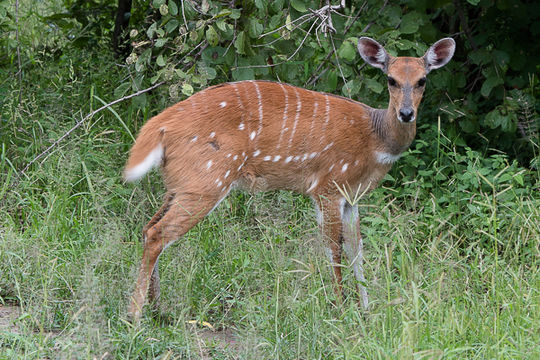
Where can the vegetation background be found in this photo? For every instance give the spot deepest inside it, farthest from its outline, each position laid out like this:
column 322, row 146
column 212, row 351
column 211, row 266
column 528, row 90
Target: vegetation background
column 452, row 235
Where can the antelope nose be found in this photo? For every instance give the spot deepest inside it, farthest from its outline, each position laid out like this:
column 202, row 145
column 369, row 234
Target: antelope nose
column 406, row 114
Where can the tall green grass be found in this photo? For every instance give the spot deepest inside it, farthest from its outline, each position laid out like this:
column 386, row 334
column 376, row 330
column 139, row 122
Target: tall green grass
column 451, row 244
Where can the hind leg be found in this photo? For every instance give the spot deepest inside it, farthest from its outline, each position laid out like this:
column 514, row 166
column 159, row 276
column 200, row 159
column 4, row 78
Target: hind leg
column 154, row 291
column 185, row 210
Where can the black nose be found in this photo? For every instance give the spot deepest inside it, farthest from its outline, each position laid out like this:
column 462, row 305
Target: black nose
column 406, row 114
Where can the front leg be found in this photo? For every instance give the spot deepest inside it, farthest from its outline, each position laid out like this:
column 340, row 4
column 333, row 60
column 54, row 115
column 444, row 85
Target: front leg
column 353, row 247
column 329, row 218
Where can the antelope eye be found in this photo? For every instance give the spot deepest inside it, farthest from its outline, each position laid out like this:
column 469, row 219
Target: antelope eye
column 391, row 81
column 421, row 82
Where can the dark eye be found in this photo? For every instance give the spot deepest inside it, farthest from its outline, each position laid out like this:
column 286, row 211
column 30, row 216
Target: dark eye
column 421, row 82
column 391, row 81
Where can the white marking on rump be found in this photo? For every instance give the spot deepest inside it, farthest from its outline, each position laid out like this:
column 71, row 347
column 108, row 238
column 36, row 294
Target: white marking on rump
column 223, row 104
column 344, row 168
column 256, row 153
column 208, row 164
column 386, row 158
column 152, row 159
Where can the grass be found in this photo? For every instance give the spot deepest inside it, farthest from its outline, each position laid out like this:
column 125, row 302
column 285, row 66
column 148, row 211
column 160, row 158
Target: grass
column 452, row 249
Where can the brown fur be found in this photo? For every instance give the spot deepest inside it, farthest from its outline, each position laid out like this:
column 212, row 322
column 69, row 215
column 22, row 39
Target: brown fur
column 260, row 135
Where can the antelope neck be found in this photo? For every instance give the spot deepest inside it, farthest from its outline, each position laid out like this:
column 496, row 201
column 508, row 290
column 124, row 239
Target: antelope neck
column 394, row 135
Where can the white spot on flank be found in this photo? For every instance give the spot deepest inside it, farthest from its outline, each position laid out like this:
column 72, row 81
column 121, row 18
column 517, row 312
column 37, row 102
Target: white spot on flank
column 193, row 139
column 235, row 157
column 267, row 158
column 356, row 163
column 240, row 167
column 313, row 154
column 296, row 158
column 217, row 180
column 331, row 167
column 152, row 159
column 208, row 164
column 219, row 183
column 241, row 126
column 386, row 158
column 227, row 174
column 228, row 155
column 344, row 168
column 256, row 153
column 212, row 134
column 223, row 104
column 252, row 135
column 276, row 158
column 304, row 157
column 288, row 159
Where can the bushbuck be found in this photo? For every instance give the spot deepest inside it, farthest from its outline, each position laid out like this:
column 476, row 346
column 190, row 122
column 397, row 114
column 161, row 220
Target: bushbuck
column 262, row 135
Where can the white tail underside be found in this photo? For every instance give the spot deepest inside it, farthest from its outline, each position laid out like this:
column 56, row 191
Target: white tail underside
column 151, row 160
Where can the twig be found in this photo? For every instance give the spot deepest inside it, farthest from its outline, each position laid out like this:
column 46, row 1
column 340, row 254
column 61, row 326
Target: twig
column 18, row 48
column 337, row 60
column 80, row 122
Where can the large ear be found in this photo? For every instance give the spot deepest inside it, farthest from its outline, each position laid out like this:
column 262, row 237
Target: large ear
column 373, row 53
column 439, row 54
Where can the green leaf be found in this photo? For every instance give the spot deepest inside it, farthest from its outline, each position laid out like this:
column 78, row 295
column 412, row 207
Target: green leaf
column 239, row 43
column 187, row 89
column 299, row 5
column 171, row 25
column 158, row 3
column 173, row 8
column 212, row 36
column 243, row 74
column 122, row 89
column 255, row 28
column 235, row 14
column 410, row 23
column 347, row 50
column 489, row 84
column 160, row 61
column 374, row 85
column 164, row 9
column 160, row 42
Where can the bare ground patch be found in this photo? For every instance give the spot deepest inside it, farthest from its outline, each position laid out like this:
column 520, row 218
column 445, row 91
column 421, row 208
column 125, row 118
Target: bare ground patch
column 8, row 317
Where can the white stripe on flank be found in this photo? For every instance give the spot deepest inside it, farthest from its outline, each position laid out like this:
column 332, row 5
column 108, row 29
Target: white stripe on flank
column 288, row 159
column 276, row 158
column 256, row 153
column 208, row 164
column 386, row 158
column 285, row 115
column 326, row 117
column 152, row 159
column 259, row 99
column 313, row 185
column 267, row 158
column 313, row 117
column 252, row 135
column 296, row 117
column 227, row 174
column 328, row 146
column 344, row 168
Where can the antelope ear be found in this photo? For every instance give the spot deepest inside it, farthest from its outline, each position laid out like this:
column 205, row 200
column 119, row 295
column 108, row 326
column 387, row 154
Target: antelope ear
column 439, row 54
column 373, row 53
